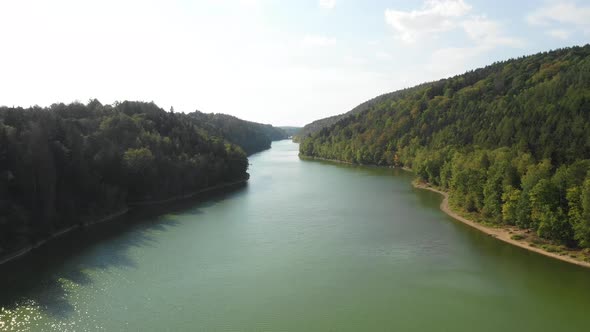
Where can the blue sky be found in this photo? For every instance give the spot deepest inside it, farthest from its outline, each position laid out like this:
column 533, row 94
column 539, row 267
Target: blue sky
column 279, row 62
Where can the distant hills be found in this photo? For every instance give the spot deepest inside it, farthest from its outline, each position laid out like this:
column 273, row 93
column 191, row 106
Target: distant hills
column 251, row 136
column 291, row 131
column 317, row 125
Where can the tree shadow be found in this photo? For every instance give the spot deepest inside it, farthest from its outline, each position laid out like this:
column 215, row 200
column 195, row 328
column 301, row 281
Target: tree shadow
column 45, row 276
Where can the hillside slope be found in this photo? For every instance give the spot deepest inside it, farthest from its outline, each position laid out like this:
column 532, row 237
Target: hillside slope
column 251, row 136
column 510, row 142
column 291, row 131
column 317, row 125
column 66, row 165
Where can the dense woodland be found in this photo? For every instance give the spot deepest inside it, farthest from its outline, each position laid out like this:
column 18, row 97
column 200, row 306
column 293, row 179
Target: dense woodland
column 291, row 131
column 251, row 136
column 317, row 125
column 509, row 142
column 68, row 164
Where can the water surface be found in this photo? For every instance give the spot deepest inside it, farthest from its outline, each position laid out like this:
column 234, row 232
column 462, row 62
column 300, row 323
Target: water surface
column 305, row 246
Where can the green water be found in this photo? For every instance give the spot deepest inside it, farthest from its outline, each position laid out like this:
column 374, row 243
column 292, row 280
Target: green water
column 305, row 246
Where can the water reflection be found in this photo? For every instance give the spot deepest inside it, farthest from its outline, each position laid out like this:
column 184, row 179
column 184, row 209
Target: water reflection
column 45, row 282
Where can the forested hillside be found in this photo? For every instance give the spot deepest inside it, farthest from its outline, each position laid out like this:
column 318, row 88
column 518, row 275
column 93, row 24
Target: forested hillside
column 291, row 131
column 317, row 125
column 68, row 164
column 251, row 136
column 510, row 142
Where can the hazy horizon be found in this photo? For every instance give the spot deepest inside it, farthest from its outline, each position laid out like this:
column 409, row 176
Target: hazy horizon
column 268, row 61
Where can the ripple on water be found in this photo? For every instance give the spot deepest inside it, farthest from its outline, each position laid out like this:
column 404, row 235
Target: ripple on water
column 30, row 315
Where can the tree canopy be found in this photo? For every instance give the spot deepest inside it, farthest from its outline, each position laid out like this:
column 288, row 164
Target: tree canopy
column 510, row 141
column 251, row 136
column 66, row 164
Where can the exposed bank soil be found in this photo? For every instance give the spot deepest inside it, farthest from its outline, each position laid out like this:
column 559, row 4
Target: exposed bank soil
column 514, row 235
column 510, row 234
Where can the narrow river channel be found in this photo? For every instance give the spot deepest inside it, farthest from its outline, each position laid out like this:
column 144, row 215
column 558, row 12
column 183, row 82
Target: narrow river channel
column 304, row 246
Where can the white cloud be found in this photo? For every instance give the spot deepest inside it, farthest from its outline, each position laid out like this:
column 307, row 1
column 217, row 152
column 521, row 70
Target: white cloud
column 560, row 33
column 565, row 12
column 439, row 16
column 317, row 41
column 250, row 3
column 562, row 12
column 383, row 55
column 434, row 17
column 487, row 33
column 351, row 60
column 327, row 4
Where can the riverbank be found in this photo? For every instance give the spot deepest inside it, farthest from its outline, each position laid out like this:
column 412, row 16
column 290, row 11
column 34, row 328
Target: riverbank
column 336, row 161
column 509, row 234
column 304, row 157
column 515, row 236
column 189, row 195
column 28, row 248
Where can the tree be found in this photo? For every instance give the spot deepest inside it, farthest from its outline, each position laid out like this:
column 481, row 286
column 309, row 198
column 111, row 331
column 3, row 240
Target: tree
column 510, row 141
column 69, row 163
column 579, row 211
column 510, row 199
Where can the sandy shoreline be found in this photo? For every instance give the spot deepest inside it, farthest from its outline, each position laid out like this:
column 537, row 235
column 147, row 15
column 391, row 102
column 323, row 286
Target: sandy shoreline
column 503, row 234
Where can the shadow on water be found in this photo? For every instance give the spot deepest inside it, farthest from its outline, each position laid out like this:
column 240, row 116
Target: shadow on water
column 365, row 169
column 43, row 276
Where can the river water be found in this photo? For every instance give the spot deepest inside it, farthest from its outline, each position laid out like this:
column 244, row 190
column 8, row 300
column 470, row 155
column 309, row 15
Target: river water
column 304, row 246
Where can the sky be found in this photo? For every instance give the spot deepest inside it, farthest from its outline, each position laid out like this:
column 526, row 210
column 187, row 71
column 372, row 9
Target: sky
column 272, row 61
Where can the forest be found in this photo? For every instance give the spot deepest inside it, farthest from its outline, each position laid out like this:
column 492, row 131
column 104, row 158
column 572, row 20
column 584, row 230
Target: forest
column 66, row 165
column 291, row 131
column 251, row 136
column 510, row 142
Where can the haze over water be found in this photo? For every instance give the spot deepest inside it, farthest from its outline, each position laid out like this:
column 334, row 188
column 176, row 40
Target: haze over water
column 305, row 246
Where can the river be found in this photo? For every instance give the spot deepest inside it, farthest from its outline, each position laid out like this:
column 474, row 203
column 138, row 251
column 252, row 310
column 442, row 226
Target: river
column 304, row 246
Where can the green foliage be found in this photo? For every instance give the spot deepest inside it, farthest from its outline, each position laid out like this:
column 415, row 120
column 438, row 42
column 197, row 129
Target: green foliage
column 510, row 199
column 138, row 160
column 578, row 198
column 517, row 237
column 252, row 137
column 69, row 163
column 510, row 141
column 291, row 131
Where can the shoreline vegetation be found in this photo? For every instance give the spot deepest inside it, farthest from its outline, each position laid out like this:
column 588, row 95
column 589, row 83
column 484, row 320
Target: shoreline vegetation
column 64, row 166
column 510, row 234
column 6, row 258
column 336, row 161
column 509, row 142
